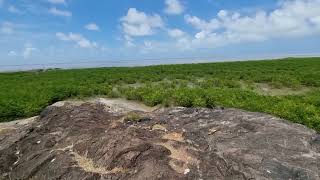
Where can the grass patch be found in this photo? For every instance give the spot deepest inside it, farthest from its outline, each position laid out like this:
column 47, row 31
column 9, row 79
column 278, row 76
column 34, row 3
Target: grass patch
column 132, row 117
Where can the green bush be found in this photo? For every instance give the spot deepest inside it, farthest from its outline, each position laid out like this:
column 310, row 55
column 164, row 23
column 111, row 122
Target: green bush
column 184, row 97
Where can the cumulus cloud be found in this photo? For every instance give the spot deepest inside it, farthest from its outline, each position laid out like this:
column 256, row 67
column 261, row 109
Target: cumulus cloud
column 57, row 1
column 92, row 27
column 175, row 33
column 137, row 23
column 58, row 12
column 78, row 39
column 203, row 25
column 292, row 19
column 173, row 7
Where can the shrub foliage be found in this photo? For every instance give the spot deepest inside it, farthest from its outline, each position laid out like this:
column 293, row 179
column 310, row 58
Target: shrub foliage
column 231, row 84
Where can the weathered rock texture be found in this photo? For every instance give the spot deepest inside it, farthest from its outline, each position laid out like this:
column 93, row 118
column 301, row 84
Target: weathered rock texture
column 97, row 140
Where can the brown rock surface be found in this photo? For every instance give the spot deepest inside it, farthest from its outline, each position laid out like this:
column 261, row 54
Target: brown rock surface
column 96, row 140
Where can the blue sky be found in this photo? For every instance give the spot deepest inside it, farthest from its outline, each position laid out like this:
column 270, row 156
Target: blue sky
column 140, row 31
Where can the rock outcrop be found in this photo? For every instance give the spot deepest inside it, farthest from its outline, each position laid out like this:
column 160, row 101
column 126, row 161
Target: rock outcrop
column 105, row 139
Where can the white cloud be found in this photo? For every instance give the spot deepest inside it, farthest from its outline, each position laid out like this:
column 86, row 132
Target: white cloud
column 202, row 25
column 78, row 39
column 7, row 28
column 292, row 19
column 92, row 27
column 176, row 33
column 130, row 44
column 137, row 23
column 129, row 41
column 202, row 34
column 13, row 9
column 58, row 12
column 28, row 50
column 12, row 53
column 173, row 7
column 57, row 1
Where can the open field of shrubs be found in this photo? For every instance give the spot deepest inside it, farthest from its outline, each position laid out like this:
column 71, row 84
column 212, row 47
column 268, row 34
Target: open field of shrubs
column 229, row 84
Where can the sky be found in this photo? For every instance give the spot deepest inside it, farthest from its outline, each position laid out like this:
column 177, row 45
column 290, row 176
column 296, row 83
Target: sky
column 143, row 32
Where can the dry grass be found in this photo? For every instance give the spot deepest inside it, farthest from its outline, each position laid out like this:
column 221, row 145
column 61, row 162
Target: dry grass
column 159, row 127
column 89, row 166
column 5, row 130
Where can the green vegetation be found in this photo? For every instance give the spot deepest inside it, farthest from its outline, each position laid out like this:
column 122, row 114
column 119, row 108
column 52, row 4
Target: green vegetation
column 229, row 84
